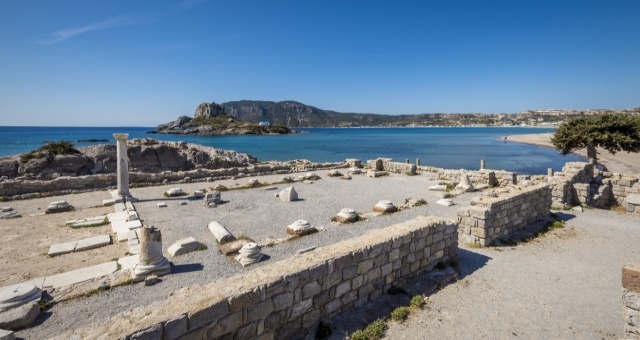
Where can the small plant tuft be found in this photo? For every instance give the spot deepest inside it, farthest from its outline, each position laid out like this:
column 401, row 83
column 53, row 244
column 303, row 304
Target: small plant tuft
column 416, row 302
column 374, row 331
column 202, row 247
column 400, row 314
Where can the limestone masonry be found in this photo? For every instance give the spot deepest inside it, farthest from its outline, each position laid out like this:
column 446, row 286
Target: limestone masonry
column 287, row 298
column 491, row 219
column 631, row 300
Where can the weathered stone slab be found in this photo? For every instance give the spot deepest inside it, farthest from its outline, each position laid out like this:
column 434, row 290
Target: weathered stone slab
column 6, row 335
column 109, row 202
column 80, row 275
column 93, row 242
column 221, row 233
column 120, row 207
column 131, row 225
column 9, row 215
column 183, row 246
column 20, row 317
column 438, row 187
column 129, row 206
column 162, row 205
column 175, row 192
column 132, row 216
column 128, row 262
column 118, row 216
column 232, row 247
column 62, row 248
column 633, row 199
column 86, row 222
column 445, row 201
column 58, row 207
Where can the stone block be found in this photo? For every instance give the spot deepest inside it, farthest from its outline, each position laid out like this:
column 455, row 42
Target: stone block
column 19, row 317
column 80, row 275
column 93, row 242
column 208, row 314
column 631, row 277
column 282, row 301
column 62, row 248
column 184, row 246
column 152, row 333
column 175, row 328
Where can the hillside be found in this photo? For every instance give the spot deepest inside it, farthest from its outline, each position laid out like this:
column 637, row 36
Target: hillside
column 295, row 114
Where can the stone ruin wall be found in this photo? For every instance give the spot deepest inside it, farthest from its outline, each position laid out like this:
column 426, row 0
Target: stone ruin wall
column 631, row 300
column 491, row 219
column 580, row 183
column 24, row 189
column 290, row 297
column 387, row 164
column 494, row 178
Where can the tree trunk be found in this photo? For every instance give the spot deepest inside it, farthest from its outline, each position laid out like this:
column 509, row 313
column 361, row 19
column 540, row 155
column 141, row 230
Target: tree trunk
column 592, row 155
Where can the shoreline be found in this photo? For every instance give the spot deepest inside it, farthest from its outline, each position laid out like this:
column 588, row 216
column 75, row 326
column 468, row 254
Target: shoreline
column 621, row 162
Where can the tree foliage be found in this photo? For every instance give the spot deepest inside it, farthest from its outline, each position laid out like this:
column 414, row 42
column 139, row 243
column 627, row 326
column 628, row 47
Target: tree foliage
column 612, row 132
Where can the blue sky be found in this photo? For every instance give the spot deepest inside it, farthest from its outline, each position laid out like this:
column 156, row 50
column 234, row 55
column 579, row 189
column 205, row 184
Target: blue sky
column 142, row 63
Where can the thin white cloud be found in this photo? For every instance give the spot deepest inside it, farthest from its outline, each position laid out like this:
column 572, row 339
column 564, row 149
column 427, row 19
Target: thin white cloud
column 62, row 35
column 191, row 3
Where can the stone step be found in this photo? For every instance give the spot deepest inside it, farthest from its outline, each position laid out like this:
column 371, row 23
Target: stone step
column 80, row 275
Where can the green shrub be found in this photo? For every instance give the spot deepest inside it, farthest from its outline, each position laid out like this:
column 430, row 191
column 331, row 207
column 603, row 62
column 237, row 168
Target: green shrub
column 51, row 148
column 374, row 331
column 400, row 314
column 416, row 302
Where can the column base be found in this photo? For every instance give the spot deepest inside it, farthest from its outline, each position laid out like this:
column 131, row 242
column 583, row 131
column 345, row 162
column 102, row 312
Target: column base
column 158, row 268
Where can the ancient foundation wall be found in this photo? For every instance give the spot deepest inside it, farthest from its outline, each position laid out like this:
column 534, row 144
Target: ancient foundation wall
column 580, row 183
column 387, row 164
column 493, row 178
column 493, row 218
column 22, row 188
column 631, row 300
column 289, row 297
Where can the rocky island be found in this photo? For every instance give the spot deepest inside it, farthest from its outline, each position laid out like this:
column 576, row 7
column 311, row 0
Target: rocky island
column 212, row 119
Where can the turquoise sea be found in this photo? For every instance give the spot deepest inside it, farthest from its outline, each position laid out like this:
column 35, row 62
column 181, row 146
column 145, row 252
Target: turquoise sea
column 445, row 147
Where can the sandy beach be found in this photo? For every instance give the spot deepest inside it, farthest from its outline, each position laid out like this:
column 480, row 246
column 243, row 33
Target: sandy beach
column 621, row 162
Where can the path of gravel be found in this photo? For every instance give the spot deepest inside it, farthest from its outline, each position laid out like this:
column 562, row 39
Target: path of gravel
column 566, row 285
column 257, row 214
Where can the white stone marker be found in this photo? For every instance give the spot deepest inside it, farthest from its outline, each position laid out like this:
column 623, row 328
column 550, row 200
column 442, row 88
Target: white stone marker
column 151, row 260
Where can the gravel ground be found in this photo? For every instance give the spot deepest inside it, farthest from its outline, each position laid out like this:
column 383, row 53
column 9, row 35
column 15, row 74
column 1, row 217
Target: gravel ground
column 254, row 213
column 565, row 285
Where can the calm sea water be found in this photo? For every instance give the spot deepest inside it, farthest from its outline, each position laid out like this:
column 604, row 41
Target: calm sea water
column 450, row 148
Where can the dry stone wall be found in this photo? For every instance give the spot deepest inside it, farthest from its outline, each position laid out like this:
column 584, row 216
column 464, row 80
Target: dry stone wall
column 580, row 183
column 631, row 300
column 288, row 298
column 387, row 164
column 493, row 178
column 491, row 219
column 23, row 188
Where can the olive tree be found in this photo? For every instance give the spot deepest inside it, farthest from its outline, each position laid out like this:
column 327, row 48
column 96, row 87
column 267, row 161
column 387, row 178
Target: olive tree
column 612, row 132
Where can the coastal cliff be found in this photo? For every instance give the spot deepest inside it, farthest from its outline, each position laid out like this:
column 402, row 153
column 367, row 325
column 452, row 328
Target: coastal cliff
column 212, row 119
column 294, row 114
column 146, row 154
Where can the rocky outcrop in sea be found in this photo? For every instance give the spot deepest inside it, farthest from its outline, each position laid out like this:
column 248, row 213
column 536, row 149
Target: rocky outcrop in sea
column 212, row 119
column 145, row 154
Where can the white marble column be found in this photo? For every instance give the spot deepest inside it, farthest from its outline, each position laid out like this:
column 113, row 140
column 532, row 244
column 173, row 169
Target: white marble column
column 123, row 168
column 151, row 260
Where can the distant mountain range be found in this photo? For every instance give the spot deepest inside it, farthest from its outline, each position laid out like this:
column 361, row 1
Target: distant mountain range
column 295, row 114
